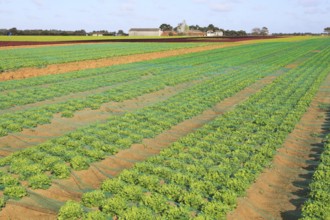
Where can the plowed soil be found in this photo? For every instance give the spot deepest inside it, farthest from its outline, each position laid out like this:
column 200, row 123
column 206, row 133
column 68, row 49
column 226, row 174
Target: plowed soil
column 46, row 203
column 90, row 64
column 281, row 190
column 144, row 40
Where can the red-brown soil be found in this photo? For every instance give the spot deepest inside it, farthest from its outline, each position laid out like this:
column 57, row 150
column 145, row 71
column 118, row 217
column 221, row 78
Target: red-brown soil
column 47, row 202
column 89, row 64
column 281, row 190
column 150, row 40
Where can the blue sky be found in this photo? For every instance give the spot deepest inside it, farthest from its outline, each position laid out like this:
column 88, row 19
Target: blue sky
column 284, row 16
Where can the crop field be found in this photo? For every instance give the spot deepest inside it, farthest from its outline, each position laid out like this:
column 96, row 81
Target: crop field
column 186, row 131
column 19, row 58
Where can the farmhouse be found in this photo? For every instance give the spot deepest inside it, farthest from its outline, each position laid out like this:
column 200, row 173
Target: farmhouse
column 145, row 32
column 214, row 33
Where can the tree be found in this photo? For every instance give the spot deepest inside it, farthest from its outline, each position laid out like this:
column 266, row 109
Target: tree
column 80, row 32
column 264, row 31
column 241, row 33
column 121, row 33
column 327, row 30
column 211, row 27
column 13, row 31
column 256, row 31
column 166, row 27
column 233, row 33
column 194, row 27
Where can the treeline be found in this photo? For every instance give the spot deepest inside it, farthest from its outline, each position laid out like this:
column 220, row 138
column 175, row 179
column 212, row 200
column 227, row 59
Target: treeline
column 233, row 33
column 210, row 27
column 297, row 34
column 15, row 31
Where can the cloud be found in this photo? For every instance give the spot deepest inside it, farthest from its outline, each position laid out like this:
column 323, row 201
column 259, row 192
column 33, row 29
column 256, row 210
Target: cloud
column 2, row 11
column 58, row 16
column 314, row 10
column 127, row 7
column 200, row 1
column 313, row 7
column 38, row 3
column 4, row 1
column 260, row 8
column 221, row 7
column 162, row 7
column 33, row 17
column 83, row 11
column 309, row 3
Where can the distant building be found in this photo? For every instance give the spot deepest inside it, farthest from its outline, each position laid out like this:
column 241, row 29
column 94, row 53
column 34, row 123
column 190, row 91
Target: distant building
column 214, row 33
column 195, row 33
column 182, row 27
column 145, row 32
column 169, row 33
column 97, row 34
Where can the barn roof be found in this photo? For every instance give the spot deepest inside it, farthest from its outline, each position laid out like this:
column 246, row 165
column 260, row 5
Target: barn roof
column 144, row 29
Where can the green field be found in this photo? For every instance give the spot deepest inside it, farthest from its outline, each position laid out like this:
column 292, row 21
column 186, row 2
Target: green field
column 43, row 56
column 318, row 206
column 200, row 174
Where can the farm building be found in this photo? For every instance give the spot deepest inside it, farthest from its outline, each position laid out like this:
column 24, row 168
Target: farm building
column 214, row 33
column 195, row 33
column 145, row 32
column 97, row 34
column 182, row 27
column 169, row 33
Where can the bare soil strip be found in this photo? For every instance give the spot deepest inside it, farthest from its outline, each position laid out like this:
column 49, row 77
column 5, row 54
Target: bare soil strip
column 47, row 202
column 59, row 125
column 64, row 98
column 281, row 190
column 89, row 64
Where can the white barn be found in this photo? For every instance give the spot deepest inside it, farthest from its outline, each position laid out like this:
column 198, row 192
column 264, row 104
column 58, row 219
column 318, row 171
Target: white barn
column 97, row 34
column 145, row 32
column 214, row 33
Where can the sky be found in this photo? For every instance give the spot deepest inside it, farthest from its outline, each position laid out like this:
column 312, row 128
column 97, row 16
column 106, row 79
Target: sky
column 279, row 16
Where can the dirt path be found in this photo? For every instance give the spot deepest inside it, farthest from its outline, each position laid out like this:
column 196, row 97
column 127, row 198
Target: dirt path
column 281, row 190
column 59, row 125
column 47, row 202
column 89, row 64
